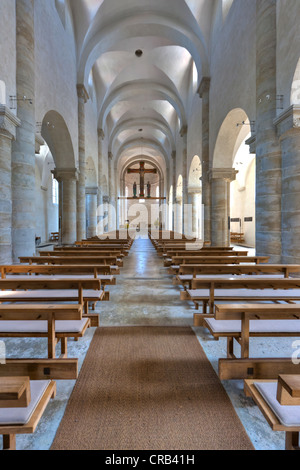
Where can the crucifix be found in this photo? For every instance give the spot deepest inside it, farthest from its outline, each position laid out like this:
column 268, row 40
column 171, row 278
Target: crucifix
column 142, row 171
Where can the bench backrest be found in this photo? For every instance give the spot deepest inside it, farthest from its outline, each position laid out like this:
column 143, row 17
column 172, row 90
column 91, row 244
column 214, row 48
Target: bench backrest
column 35, row 312
column 58, row 269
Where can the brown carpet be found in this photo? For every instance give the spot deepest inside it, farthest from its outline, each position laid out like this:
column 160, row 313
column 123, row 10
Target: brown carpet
column 149, row 388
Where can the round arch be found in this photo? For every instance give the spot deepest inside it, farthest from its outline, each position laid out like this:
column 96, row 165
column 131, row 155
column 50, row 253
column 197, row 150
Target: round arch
column 232, row 133
column 57, row 136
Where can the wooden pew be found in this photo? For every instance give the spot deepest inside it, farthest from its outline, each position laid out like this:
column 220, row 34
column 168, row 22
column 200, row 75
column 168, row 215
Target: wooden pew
column 189, row 257
column 239, row 322
column 187, row 272
column 176, row 261
column 81, row 291
column 208, row 291
column 88, row 248
column 75, row 253
column 54, row 322
column 80, row 259
column 35, row 382
column 279, row 402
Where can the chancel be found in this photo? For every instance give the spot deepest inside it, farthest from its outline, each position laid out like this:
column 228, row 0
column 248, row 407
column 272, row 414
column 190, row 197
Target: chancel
column 142, row 172
column 149, row 226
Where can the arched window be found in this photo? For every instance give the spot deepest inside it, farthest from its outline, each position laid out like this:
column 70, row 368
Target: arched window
column 54, row 191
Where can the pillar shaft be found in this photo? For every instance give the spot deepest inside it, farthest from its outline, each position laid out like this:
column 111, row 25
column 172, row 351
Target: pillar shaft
column 23, row 149
column 288, row 127
column 91, row 212
column 206, row 183
column 268, row 153
column 220, row 203
column 67, row 179
column 81, row 214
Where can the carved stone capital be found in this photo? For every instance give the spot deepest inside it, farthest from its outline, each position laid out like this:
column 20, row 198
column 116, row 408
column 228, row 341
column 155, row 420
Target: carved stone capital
column 204, row 86
column 92, row 191
column 183, row 131
column 288, row 121
column 227, row 174
column 8, row 122
column 101, row 134
column 61, row 174
column 252, row 144
column 82, row 93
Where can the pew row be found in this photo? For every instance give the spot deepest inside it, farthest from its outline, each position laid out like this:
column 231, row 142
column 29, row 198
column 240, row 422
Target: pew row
column 26, row 387
column 187, row 273
column 215, row 260
column 102, row 272
column 79, row 259
column 184, row 257
column 279, row 402
column 81, row 291
column 57, row 323
column 208, row 291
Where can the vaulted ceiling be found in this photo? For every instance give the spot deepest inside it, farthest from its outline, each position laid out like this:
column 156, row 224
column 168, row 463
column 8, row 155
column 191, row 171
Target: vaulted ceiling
column 143, row 57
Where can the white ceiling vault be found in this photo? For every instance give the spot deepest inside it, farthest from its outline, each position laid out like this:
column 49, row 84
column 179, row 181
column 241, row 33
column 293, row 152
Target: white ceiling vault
column 143, row 55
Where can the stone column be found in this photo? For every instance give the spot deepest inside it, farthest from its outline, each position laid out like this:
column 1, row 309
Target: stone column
column 81, row 215
column 111, row 188
column 206, row 186
column 193, row 200
column 220, row 184
column 91, row 211
column 268, row 152
column 174, row 189
column 101, row 137
column 23, row 148
column 68, row 178
column 288, row 129
column 8, row 124
column 183, row 134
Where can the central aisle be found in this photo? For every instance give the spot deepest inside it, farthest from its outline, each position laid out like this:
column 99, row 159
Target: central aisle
column 144, row 293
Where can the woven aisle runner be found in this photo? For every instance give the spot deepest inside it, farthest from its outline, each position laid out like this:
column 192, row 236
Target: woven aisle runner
column 149, row 388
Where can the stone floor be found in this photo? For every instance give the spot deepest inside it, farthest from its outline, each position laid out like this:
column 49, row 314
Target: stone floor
column 145, row 295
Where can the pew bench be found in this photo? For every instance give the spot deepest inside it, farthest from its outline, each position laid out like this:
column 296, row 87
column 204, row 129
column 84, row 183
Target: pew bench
column 192, row 257
column 81, row 291
column 26, row 387
column 187, row 273
column 57, row 323
column 240, row 322
column 84, row 259
column 213, row 260
column 242, row 289
column 279, row 402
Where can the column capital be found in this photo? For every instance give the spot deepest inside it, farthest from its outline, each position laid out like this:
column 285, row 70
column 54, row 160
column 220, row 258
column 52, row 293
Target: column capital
column 252, row 143
column 61, row 174
column 227, row 174
column 82, row 93
column 8, row 122
column 183, row 131
column 204, row 86
column 195, row 190
column 93, row 191
column 288, row 121
column 101, row 134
